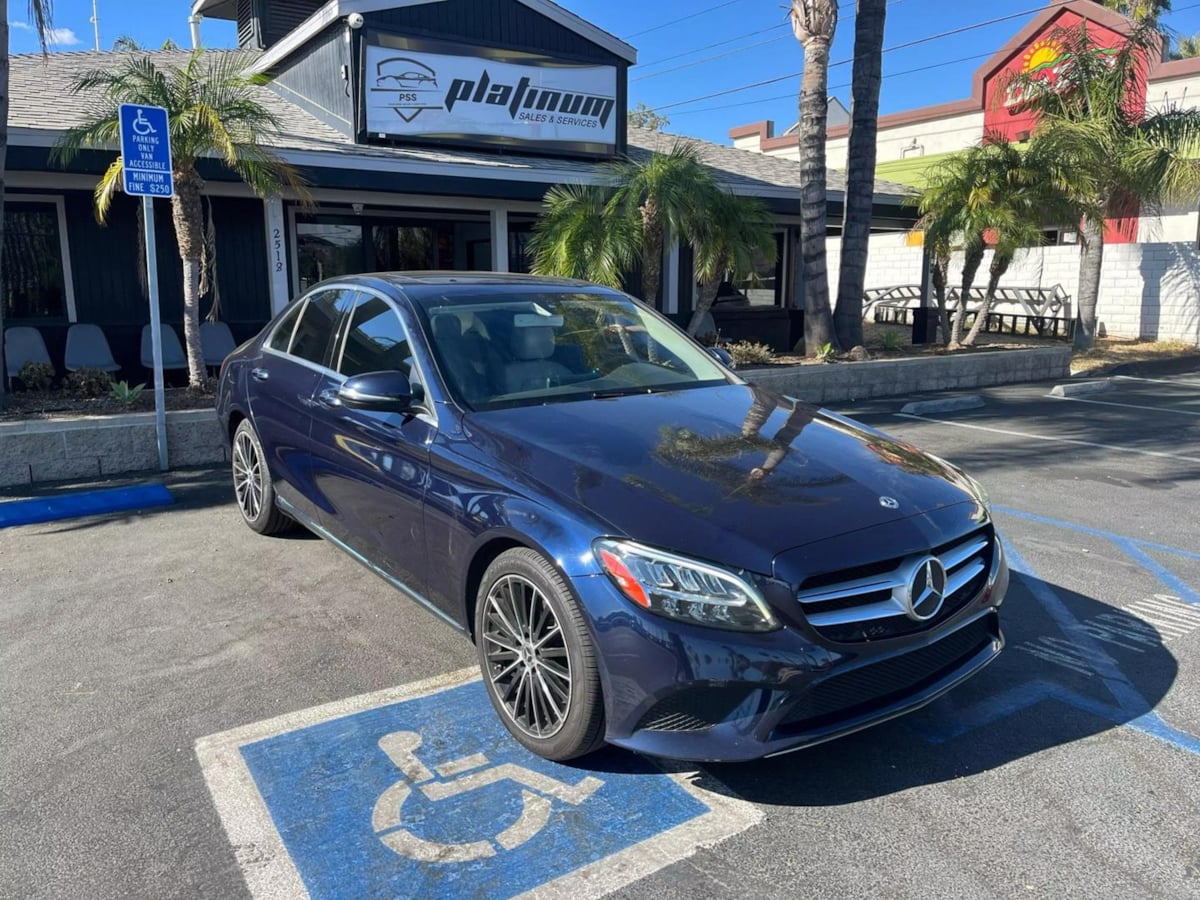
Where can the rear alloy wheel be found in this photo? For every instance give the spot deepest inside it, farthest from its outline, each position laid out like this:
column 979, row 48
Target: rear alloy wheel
column 537, row 657
column 252, row 486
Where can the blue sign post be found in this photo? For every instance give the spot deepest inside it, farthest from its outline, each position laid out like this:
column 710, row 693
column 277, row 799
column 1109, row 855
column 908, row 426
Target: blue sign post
column 146, row 164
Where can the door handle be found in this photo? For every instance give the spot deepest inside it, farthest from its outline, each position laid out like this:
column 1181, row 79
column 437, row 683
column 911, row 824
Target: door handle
column 260, row 374
column 329, row 397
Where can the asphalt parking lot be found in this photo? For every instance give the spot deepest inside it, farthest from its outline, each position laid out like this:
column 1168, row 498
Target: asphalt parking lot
column 190, row 710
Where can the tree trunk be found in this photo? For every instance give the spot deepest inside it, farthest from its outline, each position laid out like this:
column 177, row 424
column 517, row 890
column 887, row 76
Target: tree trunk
column 652, row 252
column 1091, row 259
column 860, row 170
column 1000, row 264
column 704, row 302
column 3, row 157
column 939, row 276
column 188, row 215
column 814, row 109
column 973, row 256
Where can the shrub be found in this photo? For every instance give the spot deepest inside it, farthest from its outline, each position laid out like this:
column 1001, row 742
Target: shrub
column 891, row 340
column 825, row 353
column 36, row 376
column 88, row 383
column 124, row 394
column 748, row 353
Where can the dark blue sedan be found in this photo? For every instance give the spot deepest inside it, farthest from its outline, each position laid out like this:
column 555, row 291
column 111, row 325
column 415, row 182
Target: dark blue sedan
column 645, row 549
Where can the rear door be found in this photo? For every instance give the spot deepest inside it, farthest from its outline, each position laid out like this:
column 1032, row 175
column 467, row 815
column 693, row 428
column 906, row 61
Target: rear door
column 371, row 468
column 280, row 390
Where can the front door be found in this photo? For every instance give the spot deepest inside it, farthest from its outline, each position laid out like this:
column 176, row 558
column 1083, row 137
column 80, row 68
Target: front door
column 280, row 388
column 371, row 468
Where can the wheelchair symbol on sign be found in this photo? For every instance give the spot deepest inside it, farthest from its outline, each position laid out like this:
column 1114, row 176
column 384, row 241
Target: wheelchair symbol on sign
column 141, row 125
column 536, row 793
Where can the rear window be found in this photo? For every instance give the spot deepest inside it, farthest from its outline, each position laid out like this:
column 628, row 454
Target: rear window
column 315, row 330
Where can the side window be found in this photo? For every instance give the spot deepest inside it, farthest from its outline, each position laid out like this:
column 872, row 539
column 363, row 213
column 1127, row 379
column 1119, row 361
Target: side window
column 315, row 330
column 375, row 341
column 282, row 336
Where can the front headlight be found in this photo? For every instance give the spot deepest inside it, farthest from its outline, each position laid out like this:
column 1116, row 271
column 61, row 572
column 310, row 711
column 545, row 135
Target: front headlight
column 683, row 589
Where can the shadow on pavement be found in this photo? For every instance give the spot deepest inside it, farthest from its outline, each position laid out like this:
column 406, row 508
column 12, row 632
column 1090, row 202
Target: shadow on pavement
column 1046, row 689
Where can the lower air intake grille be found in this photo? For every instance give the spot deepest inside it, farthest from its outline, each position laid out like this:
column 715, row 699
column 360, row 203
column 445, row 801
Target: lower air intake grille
column 692, row 709
column 880, row 684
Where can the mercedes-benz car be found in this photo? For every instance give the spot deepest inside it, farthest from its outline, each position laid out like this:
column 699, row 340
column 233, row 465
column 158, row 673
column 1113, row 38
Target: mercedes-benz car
column 644, row 548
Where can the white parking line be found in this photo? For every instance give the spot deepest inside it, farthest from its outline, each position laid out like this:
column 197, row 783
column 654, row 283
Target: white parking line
column 1175, row 381
column 1166, row 409
column 1057, row 440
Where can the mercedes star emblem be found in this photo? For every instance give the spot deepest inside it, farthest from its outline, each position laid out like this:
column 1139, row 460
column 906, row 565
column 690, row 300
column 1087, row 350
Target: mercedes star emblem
column 889, row 502
column 926, row 589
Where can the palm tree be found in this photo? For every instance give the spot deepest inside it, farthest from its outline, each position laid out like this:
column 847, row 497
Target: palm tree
column 214, row 112
column 1141, row 11
column 580, row 235
column 1187, row 47
column 1023, row 189
column 127, row 44
column 814, row 22
column 735, row 233
column 668, row 194
column 1093, row 123
column 39, row 12
column 860, row 170
column 951, row 208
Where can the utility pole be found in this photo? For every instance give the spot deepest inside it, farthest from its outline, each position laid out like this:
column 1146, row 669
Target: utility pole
column 96, row 24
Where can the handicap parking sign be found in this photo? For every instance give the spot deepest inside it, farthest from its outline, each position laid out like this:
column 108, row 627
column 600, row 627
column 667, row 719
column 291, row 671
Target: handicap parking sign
column 430, row 796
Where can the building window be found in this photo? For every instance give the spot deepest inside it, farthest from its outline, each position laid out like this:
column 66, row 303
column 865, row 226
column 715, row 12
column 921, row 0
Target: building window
column 764, row 286
column 34, row 282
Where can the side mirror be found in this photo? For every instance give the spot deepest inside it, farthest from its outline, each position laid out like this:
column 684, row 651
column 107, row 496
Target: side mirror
column 721, row 356
column 380, row 391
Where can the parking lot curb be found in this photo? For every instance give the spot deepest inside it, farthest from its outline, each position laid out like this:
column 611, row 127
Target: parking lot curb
column 1082, row 387
column 950, row 404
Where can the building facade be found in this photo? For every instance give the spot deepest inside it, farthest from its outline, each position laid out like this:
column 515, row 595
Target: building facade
column 1151, row 281
column 428, row 132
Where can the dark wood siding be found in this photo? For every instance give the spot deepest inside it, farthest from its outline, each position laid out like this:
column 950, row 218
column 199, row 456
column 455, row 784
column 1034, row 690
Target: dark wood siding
column 105, row 264
column 311, row 78
column 282, row 16
column 492, row 23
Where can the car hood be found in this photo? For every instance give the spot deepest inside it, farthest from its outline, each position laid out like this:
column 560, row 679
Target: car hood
column 732, row 474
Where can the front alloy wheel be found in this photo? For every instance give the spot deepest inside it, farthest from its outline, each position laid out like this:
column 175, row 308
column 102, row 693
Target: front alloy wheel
column 537, row 657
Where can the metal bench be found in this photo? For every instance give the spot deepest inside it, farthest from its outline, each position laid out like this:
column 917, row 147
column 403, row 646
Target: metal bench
column 1045, row 311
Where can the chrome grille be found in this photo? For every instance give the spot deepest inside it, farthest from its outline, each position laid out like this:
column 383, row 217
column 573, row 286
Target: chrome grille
column 863, row 607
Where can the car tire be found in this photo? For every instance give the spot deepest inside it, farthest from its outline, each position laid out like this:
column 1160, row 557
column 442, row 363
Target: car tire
column 537, row 657
column 253, row 489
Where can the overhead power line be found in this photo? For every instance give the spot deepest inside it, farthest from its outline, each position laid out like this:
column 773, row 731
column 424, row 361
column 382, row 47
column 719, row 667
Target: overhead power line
column 734, row 51
column 687, row 18
column 913, row 43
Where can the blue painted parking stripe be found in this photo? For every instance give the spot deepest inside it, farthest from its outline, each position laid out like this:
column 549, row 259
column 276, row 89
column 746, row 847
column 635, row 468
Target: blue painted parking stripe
column 1095, row 532
column 83, row 503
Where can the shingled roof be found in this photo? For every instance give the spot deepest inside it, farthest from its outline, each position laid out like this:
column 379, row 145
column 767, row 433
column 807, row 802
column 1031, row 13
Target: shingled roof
column 42, row 100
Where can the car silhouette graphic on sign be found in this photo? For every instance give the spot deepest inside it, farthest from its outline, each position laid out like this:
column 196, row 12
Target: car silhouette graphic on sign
column 411, row 84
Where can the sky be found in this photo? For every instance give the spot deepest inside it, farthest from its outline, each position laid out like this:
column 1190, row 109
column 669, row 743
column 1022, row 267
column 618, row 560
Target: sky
column 687, row 51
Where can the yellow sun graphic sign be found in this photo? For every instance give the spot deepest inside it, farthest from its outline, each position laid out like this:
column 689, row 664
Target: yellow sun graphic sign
column 1041, row 55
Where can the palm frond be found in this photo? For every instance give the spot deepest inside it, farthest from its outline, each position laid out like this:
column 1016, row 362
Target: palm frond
column 110, row 182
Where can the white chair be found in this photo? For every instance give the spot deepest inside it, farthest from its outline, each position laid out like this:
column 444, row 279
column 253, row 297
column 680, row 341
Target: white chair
column 87, row 348
column 216, row 342
column 23, row 344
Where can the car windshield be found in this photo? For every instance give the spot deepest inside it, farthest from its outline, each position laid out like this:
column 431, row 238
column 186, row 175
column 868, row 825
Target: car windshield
column 498, row 348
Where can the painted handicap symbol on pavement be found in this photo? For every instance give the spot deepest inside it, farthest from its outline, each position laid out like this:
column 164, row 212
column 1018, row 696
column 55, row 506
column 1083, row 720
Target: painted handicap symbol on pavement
column 388, row 817
column 419, row 791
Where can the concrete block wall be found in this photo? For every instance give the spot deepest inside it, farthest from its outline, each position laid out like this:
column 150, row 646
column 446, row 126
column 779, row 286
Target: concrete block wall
column 840, row 382
column 1148, row 290
column 95, row 447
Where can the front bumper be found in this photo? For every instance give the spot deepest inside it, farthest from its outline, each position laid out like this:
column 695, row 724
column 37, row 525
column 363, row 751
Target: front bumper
column 687, row 692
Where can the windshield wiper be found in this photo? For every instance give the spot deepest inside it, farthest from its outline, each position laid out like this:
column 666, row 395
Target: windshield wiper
column 628, row 392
